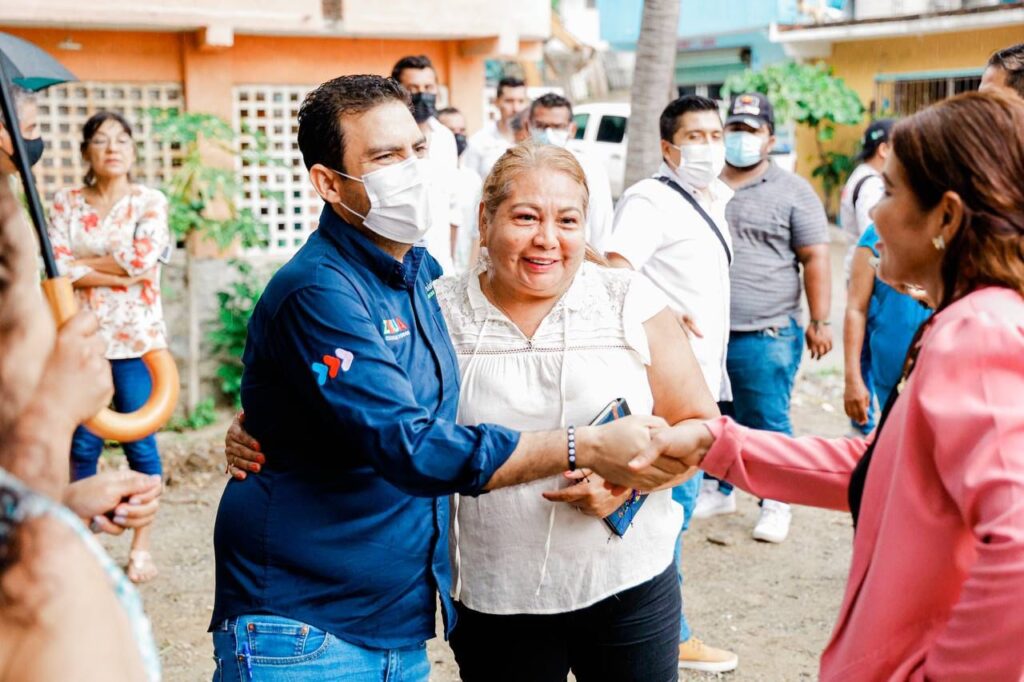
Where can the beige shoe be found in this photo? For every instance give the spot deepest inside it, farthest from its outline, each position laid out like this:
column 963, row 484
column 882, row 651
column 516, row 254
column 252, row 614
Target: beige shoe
column 696, row 655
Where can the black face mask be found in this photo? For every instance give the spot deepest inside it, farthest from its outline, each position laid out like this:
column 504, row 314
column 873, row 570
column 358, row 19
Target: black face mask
column 33, row 150
column 460, row 143
column 423, row 106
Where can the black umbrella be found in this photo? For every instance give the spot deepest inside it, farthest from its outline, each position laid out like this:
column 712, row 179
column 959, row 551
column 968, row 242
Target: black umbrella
column 29, row 67
column 33, row 69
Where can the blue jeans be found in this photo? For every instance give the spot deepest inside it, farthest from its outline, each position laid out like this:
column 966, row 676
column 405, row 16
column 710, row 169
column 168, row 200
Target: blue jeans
column 132, row 386
column 762, row 368
column 685, row 495
column 276, row 649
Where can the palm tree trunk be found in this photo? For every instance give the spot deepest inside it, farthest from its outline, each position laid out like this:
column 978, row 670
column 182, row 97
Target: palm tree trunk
column 652, row 83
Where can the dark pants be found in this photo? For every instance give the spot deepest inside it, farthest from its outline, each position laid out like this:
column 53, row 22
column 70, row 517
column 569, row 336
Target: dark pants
column 132, row 385
column 632, row 636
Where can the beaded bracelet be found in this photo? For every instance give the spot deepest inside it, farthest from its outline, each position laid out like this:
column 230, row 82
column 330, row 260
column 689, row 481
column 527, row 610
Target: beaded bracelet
column 572, row 447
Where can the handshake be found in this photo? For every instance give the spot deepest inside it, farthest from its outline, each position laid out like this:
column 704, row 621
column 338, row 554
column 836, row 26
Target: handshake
column 643, row 452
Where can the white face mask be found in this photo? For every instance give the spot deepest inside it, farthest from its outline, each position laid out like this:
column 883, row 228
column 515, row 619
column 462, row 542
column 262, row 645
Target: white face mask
column 553, row 136
column 400, row 200
column 700, row 164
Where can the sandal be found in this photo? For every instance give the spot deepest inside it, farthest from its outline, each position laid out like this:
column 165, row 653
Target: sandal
column 140, row 568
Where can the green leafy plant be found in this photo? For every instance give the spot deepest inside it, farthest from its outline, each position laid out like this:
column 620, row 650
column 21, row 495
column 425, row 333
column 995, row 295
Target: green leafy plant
column 200, row 190
column 204, row 194
column 204, row 415
column 810, row 95
column 236, row 304
column 833, row 170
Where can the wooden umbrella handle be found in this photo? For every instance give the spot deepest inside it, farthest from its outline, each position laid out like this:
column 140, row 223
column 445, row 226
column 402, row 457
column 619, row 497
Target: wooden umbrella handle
column 124, row 427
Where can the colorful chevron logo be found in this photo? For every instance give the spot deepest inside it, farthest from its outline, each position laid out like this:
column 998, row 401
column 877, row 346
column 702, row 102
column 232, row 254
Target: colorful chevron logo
column 329, row 365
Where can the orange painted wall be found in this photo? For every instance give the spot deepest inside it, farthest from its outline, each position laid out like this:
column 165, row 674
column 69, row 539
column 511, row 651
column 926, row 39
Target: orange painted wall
column 208, row 75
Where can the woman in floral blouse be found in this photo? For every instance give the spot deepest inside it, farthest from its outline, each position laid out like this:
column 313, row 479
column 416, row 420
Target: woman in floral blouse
column 110, row 237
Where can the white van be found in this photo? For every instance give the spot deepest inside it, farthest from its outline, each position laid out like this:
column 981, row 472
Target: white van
column 601, row 134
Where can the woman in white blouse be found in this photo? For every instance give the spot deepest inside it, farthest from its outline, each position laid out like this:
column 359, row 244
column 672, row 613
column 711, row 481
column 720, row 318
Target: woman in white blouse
column 546, row 340
column 110, row 237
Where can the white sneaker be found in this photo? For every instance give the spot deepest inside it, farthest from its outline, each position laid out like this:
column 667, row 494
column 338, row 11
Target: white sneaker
column 713, row 502
column 773, row 526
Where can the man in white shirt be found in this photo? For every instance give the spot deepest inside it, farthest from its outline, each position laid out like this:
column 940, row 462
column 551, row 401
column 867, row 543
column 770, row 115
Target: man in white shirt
column 550, row 122
column 418, row 76
column 488, row 144
column 864, row 187
column 468, row 188
column 672, row 228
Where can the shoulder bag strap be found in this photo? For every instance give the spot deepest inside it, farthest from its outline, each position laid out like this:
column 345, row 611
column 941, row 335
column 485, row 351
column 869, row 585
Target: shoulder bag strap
column 703, row 214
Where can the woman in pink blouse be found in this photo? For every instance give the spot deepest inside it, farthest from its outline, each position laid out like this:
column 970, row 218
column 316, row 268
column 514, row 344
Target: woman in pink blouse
column 110, row 237
column 936, row 586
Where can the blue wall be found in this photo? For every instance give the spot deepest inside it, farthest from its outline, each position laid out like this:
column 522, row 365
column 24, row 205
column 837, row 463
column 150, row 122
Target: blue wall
column 620, row 19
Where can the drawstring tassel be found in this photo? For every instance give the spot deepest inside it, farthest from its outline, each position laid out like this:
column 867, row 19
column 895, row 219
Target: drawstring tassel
column 562, row 419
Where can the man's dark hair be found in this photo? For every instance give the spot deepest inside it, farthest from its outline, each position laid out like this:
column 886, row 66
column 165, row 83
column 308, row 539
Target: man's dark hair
column 321, row 138
column 551, row 100
column 672, row 116
column 510, row 82
column 448, row 110
column 1011, row 61
column 421, row 61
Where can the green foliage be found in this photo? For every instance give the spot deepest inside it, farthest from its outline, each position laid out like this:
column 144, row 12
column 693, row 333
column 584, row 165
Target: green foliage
column 197, row 185
column 810, row 95
column 204, row 415
column 833, row 170
column 236, row 305
column 806, row 93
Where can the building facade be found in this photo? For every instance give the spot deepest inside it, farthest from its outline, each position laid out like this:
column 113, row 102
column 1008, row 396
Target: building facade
column 252, row 62
column 902, row 57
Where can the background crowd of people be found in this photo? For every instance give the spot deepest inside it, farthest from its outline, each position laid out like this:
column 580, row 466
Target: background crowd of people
column 467, row 306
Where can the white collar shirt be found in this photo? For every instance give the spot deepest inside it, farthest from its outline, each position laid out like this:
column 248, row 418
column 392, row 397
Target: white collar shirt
column 665, row 238
column 484, row 148
column 445, row 210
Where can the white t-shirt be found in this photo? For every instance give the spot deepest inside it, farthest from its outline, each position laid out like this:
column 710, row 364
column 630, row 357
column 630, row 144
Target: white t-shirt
column 467, row 194
column 663, row 237
column 513, row 551
column 855, row 219
column 484, row 148
column 441, row 152
column 600, row 210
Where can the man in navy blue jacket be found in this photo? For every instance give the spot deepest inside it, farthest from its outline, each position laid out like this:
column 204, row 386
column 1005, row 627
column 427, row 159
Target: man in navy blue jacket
column 329, row 563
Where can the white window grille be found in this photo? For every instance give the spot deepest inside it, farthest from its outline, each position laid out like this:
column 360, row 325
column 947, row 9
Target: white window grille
column 898, row 95
column 64, row 109
column 281, row 197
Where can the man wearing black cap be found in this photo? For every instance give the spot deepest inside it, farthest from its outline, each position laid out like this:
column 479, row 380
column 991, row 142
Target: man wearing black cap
column 862, row 191
column 865, row 187
column 778, row 224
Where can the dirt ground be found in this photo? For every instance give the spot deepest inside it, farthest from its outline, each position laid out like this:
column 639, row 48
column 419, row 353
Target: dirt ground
column 772, row 604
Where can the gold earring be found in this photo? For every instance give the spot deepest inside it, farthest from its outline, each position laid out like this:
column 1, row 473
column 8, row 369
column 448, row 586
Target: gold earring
column 939, row 243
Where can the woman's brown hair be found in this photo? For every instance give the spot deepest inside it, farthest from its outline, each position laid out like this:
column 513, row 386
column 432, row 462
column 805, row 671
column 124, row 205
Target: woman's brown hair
column 528, row 156
column 973, row 145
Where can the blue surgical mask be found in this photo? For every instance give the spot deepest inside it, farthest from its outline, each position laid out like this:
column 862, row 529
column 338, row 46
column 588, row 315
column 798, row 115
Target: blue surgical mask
column 742, row 149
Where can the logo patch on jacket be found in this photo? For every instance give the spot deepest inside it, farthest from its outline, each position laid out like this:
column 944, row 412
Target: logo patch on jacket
column 329, row 365
column 394, row 329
